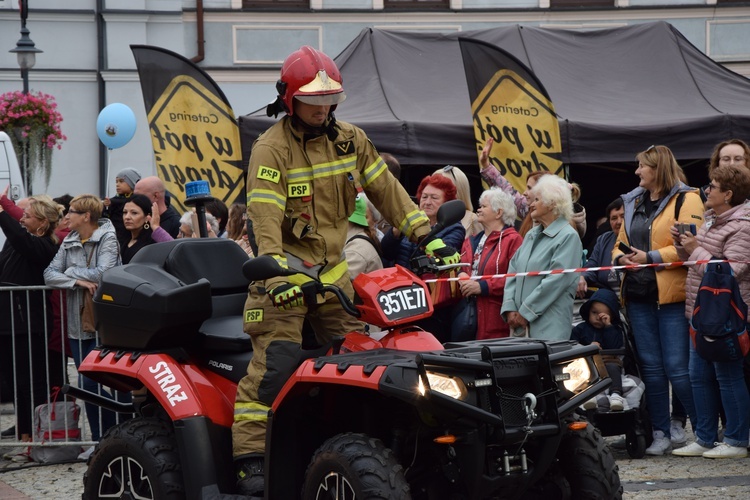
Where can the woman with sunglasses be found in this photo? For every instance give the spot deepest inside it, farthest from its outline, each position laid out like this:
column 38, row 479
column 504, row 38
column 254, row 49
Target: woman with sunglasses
column 655, row 296
column 90, row 249
column 30, row 246
column 470, row 222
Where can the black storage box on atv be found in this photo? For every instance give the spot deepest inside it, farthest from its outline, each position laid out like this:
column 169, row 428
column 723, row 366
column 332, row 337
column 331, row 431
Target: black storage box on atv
column 147, row 308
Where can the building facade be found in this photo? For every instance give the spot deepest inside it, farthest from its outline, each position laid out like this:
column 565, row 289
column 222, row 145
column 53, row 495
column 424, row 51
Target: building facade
column 86, row 61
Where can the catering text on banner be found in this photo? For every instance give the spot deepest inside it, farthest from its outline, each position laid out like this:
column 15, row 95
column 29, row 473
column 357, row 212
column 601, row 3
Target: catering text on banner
column 510, row 105
column 193, row 129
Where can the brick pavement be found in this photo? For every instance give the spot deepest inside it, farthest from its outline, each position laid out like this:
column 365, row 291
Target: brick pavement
column 651, row 478
column 8, row 493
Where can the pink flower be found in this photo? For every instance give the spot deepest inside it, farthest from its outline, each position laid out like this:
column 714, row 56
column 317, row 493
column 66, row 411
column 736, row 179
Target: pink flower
column 33, row 113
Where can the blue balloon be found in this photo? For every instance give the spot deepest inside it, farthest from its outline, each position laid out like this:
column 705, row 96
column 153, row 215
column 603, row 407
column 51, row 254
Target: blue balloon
column 115, row 125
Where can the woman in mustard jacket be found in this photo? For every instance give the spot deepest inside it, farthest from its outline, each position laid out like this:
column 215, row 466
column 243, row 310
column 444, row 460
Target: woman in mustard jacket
column 655, row 297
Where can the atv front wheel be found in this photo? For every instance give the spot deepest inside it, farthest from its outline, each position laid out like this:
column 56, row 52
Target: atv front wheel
column 354, row 466
column 135, row 459
column 589, row 466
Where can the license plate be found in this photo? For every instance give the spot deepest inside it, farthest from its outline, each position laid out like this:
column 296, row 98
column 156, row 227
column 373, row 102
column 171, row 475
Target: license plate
column 403, row 302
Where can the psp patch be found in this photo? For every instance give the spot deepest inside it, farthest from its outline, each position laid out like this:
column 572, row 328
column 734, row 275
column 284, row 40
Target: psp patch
column 298, row 190
column 345, row 148
column 269, row 174
column 253, row 315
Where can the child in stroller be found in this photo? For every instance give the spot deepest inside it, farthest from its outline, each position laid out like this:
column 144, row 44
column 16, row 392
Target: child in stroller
column 600, row 326
column 622, row 410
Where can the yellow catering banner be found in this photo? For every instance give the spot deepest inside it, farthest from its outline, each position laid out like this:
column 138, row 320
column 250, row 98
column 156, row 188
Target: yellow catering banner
column 510, row 105
column 193, row 128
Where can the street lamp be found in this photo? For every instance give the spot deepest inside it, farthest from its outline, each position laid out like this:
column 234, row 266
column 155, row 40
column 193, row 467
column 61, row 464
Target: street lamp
column 26, row 54
column 25, row 49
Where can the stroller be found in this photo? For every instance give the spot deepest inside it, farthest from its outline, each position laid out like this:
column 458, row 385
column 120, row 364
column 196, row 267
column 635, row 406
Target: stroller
column 634, row 421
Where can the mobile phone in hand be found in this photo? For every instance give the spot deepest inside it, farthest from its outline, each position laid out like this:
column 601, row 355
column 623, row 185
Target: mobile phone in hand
column 624, row 248
column 686, row 228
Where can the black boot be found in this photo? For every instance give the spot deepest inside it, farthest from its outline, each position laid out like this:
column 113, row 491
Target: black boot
column 250, row 478
column 8, row 433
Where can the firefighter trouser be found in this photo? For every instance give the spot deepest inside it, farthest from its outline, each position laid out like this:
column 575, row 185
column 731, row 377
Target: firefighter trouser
column 276, row 337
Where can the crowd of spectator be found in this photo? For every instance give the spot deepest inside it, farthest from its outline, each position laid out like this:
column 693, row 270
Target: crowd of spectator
column 69, row 242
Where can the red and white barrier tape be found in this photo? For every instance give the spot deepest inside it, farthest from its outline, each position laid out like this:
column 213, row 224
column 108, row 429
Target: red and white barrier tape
column 585, row 269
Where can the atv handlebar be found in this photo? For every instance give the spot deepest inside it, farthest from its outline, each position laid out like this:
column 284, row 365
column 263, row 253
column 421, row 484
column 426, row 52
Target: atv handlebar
column 423, row 264
column 265, row 267
column 312, row 289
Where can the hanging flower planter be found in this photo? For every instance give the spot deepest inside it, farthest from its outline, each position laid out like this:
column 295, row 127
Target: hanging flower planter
column 32, row 122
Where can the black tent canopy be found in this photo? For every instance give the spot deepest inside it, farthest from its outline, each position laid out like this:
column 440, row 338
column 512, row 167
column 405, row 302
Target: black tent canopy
column 616, row 92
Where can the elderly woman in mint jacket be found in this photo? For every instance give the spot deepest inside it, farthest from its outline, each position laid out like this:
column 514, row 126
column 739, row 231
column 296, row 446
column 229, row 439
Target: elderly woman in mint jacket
column 542, row 306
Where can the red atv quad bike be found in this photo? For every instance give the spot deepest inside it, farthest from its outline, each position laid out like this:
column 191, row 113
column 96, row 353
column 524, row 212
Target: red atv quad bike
column 388, row 415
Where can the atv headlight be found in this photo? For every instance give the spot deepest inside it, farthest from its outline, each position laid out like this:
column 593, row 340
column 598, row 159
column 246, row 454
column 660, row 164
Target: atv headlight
column 576, row 375
column 444, row 384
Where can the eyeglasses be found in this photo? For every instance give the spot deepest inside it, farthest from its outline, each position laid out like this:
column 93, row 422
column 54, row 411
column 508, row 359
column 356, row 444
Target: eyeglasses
column 730, row 159
column 71, row 211
column 710, row 187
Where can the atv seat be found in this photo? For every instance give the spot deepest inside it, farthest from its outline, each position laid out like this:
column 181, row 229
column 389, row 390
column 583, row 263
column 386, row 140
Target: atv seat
column 220, row 262
column 224, row 334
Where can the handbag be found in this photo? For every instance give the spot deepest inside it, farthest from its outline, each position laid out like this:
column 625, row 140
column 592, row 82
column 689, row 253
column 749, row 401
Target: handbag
column 718, row 327
column 464, row 320
column 56, row 421
column 88, row 322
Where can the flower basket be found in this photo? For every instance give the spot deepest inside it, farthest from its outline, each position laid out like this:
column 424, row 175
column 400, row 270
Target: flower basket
column 32, row 122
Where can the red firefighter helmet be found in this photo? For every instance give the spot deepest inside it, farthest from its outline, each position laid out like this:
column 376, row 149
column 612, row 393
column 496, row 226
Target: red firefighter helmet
column 312, row 77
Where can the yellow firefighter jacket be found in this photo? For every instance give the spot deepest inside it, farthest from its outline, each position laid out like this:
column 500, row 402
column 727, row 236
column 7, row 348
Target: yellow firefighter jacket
column 302, row 189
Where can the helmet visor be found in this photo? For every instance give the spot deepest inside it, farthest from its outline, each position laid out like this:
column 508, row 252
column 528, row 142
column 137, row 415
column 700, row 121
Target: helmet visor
column 321, row 99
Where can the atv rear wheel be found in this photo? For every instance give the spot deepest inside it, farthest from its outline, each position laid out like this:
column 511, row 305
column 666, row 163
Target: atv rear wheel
column 135, row 459
column 354, row 466
column 588, row 465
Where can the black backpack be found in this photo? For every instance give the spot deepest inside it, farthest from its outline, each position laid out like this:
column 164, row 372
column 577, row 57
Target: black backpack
column 718, row 326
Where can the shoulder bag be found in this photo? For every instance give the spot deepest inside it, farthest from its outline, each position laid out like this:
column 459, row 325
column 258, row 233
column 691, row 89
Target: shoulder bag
column 88, row 322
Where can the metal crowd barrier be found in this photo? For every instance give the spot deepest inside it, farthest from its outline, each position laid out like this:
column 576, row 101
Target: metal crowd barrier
column 41, row 363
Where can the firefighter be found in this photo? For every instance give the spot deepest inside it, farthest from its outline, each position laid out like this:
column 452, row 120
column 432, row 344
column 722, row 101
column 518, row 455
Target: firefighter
column 302, row 183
